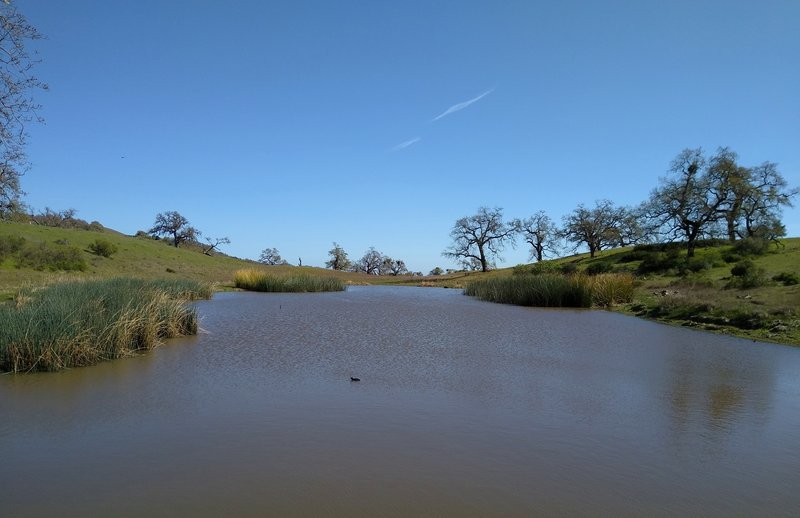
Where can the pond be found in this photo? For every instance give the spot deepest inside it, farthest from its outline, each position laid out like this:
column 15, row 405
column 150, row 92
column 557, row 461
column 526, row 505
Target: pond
column 464, row 408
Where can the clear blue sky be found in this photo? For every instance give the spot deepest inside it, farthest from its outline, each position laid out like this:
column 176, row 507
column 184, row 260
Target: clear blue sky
column 294, row 124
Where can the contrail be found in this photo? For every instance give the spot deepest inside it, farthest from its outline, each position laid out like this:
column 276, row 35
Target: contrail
column 461, row 106
column 405, row 144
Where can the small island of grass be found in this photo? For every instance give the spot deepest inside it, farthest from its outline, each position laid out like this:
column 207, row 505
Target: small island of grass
column 258, row 280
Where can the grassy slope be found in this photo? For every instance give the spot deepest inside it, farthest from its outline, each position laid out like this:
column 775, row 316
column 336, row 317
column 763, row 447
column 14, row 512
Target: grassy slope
column 141, row 258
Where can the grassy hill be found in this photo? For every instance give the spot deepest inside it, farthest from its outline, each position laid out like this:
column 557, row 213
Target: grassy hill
column 138, row 257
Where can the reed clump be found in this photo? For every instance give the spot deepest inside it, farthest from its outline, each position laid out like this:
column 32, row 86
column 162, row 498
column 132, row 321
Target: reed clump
column 82, row 323
column 555, row 290
column 257, row 280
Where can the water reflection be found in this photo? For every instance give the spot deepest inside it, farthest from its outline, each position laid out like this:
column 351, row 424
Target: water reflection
column 465, row 409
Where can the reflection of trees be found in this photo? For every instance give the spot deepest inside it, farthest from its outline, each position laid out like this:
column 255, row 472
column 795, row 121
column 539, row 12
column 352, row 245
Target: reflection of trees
column 724, row 400
column 713, row 390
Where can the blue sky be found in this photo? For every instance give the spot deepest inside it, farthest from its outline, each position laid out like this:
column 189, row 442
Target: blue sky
column 294, row 124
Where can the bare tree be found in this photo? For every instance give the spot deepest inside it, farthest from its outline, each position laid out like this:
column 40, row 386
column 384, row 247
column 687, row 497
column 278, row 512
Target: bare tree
column 539, row 232
column 338, row 260
column 479, row 239
column 370, row 263
column 761, row 203
column 693, row 197
column 271, row 256
column 17, row 106
column 213, row 243
column 603, row 226
column 171, row 223
column 393, row 266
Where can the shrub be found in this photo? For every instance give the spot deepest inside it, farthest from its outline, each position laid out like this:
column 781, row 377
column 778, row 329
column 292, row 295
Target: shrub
column 659, row 262
column 634, row 255
column 48, row 257
column 787, row 278
column 543, row 267
column 103, row 247
column 569, row 268
column 96, row 226
column 746, row 275
column 751, row 246
column 598, row 268
column 521, row 269
column 743, row 268
column 10, row 245
column 696, row 264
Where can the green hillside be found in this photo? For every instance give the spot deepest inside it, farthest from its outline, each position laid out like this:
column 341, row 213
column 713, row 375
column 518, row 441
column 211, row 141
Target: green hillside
column 138, row 257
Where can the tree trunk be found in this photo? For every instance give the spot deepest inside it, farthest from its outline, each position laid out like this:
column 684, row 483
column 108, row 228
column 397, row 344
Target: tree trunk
column 484, row 267
column 731, row 222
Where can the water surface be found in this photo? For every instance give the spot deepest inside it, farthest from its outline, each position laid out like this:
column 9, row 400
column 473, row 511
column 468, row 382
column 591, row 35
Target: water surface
column 465, row 408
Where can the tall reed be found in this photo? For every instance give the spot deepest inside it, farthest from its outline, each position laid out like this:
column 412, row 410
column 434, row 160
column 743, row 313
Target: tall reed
column 81, row 323
column 555, row 290
column 256, row 280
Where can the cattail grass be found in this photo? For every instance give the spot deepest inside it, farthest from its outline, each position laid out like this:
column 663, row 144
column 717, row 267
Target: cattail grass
column 256, row 280
column 554, row 290
column 82, row 323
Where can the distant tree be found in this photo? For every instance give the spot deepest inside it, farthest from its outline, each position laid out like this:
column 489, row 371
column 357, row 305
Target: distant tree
column 213, row 243
column 479, row 239
column 436, row 271
column 338, row 260
column 17, row 106
column 171, row 223
column 694, row 196
column 271, row 256
column 539, row 232
column 761, row 203
column 395, row 266
column 371, row 262
column 598, row 228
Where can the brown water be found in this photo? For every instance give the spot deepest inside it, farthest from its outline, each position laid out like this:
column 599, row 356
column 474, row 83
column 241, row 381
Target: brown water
column 465, row 408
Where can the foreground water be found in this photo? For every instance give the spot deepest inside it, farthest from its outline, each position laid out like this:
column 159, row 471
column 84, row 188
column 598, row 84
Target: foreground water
column 465, row 408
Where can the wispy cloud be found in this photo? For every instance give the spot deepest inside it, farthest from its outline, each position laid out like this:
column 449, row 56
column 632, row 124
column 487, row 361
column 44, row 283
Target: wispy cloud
column 405, row 144
column 461, row 106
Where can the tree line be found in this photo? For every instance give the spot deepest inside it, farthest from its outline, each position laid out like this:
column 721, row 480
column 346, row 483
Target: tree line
column 700, row 197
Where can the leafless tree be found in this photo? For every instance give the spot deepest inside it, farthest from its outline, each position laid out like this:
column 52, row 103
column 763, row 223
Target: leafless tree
column 539, row 232
column 479, row 239
column 271, row 256
column 17, row 106
column 394, row 266
column 213, row 243
column 370, row 263
column 762, row 201
column 603, row 226
column 171, row 223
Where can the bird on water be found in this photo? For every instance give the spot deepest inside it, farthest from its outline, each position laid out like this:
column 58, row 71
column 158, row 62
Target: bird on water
column 353, row 378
